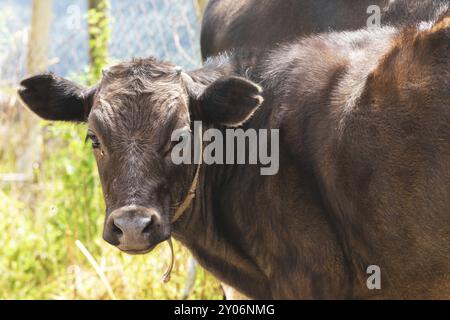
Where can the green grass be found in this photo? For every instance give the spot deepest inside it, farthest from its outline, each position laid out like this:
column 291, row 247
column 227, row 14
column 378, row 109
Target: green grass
column 41, row 220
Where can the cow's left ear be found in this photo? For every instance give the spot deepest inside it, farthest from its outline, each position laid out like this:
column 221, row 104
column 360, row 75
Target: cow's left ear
column 228, row 101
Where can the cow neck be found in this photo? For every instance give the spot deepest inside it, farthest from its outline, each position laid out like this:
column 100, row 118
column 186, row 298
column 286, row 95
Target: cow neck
column 193, row 188
column 187, row 202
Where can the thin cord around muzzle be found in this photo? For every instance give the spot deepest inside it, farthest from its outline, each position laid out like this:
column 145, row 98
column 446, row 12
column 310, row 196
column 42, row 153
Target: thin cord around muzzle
column 166, row 276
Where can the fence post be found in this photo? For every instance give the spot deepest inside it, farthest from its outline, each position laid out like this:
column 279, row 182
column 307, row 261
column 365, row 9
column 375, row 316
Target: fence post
column 37, row 61
column 38, row 41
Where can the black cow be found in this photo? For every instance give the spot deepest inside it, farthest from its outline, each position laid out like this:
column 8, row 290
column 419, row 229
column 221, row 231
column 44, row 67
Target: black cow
column 364, row 177
column 231, row 24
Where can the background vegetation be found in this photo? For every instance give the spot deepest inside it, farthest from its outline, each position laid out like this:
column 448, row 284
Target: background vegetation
column 45, row 211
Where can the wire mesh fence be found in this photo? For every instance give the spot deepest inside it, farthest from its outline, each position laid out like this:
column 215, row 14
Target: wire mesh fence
column 58, row 40
column 167, row 29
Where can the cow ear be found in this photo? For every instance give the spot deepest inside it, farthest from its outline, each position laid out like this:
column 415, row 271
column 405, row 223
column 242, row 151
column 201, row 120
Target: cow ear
column 228, row 101
column 55, row 98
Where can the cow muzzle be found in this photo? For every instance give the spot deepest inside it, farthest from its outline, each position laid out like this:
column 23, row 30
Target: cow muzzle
column 135, row 229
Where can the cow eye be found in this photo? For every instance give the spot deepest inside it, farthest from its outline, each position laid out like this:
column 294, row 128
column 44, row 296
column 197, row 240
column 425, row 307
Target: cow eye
column 94, row 140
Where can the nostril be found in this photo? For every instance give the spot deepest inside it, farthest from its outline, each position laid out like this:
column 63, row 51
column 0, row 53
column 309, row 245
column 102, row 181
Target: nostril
column 116, row 229
column 148, row 225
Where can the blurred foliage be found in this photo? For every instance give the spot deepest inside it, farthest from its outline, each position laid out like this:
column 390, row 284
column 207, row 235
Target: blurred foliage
column 99, row 35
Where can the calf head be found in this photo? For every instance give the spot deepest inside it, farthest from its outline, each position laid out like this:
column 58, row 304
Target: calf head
column 131, row 115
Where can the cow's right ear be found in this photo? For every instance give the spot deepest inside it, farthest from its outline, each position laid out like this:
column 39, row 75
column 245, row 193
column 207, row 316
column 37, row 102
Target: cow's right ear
column 55, row 98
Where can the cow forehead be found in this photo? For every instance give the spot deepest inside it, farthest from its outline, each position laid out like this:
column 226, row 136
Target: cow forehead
column 140, row 95
column 140, row 74
column 140, row 77
column 143, row 114
column 143, row 111
column 136, row 88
